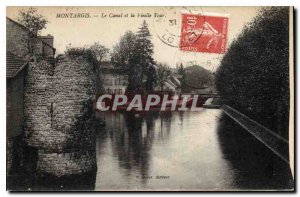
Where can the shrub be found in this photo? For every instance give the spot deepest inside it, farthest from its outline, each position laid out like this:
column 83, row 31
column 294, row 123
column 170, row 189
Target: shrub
column 254, row 73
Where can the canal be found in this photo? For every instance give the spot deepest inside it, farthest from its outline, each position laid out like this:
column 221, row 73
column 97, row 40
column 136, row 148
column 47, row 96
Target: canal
column 202, row 150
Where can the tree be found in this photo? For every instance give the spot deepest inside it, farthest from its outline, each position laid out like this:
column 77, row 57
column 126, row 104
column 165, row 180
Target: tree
column 144, row 48
column 181, row 73
column 133, row 56
column 122, row 55
column 180, row 69
column 125, row 60
column 197, row 77
column 100, row 51
column 31, row 19
column 85, row 53
column 163, row 74
column 254, row 73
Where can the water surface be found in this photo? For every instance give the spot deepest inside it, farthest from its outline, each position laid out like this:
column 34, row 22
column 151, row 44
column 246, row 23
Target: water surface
column 183, row 150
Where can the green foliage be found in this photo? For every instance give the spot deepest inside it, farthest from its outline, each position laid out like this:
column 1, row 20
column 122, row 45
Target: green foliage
column 124, row 57
column 180, row 69
column 31, row 19
column 181, row 74
column 84, row 53
column 89, row 55
column 99, row 51
column 163, row 74
column 123, row 52
column 133, row 56
column 197, row 77
column 254, row 73
column 144, row 49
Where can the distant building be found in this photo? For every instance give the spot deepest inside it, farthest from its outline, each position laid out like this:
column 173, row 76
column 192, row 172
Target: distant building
column 172, row 85
column 112, row 83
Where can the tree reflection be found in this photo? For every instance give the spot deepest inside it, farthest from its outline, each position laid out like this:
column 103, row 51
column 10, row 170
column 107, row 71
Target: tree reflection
column 255, row 165
column 132, row 138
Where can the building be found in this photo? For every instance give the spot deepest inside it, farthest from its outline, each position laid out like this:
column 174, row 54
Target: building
column 172, row 84
column 21, row 42
column 113, row 83
column 21, row 47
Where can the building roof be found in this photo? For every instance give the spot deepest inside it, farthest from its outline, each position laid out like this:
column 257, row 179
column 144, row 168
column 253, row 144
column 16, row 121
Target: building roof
column 175, row 81
column 16, row 23
column 14, row 65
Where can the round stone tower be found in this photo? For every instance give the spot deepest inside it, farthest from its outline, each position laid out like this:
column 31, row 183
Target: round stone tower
column 58, row 115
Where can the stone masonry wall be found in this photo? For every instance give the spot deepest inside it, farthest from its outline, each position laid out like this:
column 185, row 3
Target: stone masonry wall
column 58, row 115
column 39, row 47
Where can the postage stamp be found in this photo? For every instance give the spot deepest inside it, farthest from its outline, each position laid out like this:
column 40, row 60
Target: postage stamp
column 203, row 33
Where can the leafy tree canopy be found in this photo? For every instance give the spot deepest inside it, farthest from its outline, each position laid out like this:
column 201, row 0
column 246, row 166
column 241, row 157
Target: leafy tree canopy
column 31, row 19
column 133, row 56
column 99, row 51
column 254, row 73
column 163, row 74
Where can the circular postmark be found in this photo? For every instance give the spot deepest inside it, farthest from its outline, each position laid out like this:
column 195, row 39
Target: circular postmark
column 169, row 28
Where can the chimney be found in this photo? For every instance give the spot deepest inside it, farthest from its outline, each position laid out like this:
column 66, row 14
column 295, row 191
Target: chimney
column 47, row 39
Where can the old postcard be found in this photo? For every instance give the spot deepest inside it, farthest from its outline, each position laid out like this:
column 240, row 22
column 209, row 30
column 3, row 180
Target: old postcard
column 149, row 99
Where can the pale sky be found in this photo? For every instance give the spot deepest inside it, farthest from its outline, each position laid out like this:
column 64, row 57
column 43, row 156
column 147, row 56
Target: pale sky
column 107, row 31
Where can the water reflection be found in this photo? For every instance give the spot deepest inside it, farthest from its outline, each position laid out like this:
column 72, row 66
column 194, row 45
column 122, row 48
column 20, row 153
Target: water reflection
column 194, row 150
column 255, row 166
column 131, row 136
column 172, row 150
column 135, row 150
